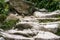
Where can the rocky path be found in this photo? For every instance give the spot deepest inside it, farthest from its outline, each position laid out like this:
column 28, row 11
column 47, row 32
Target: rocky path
column 33, row 28
column 39, row 26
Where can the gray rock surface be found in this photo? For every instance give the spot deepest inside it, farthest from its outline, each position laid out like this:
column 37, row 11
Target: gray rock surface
column 1, row 38
column 20, row 6
column 46, row 15
column 46, row 36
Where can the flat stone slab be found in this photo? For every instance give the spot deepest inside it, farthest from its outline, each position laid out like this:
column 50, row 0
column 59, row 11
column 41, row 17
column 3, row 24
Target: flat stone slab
column 43, row 35
column 45, row 39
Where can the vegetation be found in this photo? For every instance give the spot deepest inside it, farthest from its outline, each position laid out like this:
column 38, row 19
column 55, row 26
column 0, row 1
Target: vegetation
column 4, row 9
column 58, row 32
column 50, row 5
column 8, row 24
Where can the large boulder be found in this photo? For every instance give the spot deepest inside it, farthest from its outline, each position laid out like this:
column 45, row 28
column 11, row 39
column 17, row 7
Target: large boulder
column 20, row 6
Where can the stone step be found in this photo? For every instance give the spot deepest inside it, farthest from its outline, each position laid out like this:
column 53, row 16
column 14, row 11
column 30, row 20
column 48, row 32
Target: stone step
column 47, row 15
column 52, row 26
column 29, row 19
column 42, row 35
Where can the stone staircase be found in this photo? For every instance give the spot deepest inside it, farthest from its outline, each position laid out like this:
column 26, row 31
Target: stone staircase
column 43, row 26
column 39, row 26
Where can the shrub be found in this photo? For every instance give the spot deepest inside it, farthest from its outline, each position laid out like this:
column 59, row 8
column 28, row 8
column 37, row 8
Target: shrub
column 2, row 17
column 8, row 24
column 50, row 5
column 4, row 9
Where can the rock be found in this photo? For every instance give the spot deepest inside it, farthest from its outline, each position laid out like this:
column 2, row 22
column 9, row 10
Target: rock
column 46, row 15
column 25, row 32
column 47, row 20
column 39, row 14
column 43, row 10
column 12, row 36
column 43, row 35
column 20, row 6
column 1, row 38
column 12, row 17
column 57, row 11
column 32, row 25
column 29, row 19
column 23, row 26
column 52, row 27
column 6, row 0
